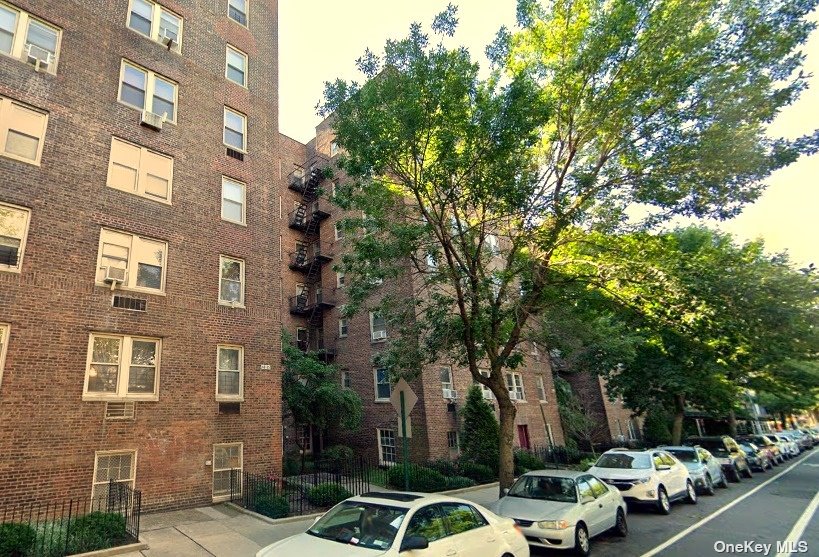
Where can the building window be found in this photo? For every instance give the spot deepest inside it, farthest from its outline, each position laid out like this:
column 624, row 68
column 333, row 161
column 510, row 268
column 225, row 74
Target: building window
column 432, row 261
column 235, row 130
column 120, row 253
column 301, row 339
column 346, row 380
column 383, row 386
column 452, row 440
column 29, row 39
column 339, row 280
column 343, row 327
column 386, row 447
column 111, row 466
column 305, row 438
column 338, row 232
column 237, row 11
column 378, row 327
column 146, row 90
column 487, row 392
column 13, row 233
column 227, row 469
column 492, row 244
column 122, row 368
column 234, row 194
column 156, row 22
column 140, row 171
column 514, row 382
column 333, row 148
column 231, row 281
column 236, row 66
column 230, row 373
column 550, row 434
column 445, row 373
column 541, row 390
column 632, row 431
column 5, row 330
column 22, row 131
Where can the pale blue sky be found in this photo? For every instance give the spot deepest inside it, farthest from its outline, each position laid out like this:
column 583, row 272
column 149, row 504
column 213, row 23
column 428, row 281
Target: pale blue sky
column 321, row 39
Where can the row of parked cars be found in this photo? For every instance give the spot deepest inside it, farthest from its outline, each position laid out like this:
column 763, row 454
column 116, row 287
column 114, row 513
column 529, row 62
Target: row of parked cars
column 556, row 509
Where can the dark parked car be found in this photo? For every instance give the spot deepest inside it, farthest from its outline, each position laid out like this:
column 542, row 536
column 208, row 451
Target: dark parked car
column 770, row 448
column 756, row 457
column 727, row 452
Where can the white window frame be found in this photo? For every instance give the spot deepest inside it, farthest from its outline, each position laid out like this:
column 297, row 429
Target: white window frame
column 226, row 496
column 125, row 351
column 343, row 327
column 446, row 384
column 381, row 460
column 243, row 185
column 6, row 105
column 230, row 303
column 333, row 148
column 20, row 34
column 376, row 383
column 632, row 430
column 141, row 178
column 449, row 436
column 132, row 264
column 131, row 481
column 372, row 328
column 550, row 434
column 150, row 89
column 346, row 379
column 241, row 54
column 243, row 116
column 493, row 244
column 246, row 13
column 517, row 385
column 541, row 388
column 156, row 17
column 340, row 280
column 5, row 335
column 338, row 234
column 231, row 397
column 22, row 249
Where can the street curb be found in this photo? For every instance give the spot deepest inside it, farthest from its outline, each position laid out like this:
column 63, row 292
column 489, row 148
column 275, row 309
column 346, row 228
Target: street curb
column 273, row 521
column 114, row 550
column 468, row 489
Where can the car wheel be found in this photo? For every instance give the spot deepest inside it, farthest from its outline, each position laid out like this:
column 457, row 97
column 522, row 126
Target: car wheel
column 723, row 480
column 709, row 485
column 620, row 525
column 582, row 545
column 735, row 477
column 770, row 464
column 691, row 493
column 663, row 504
column 747, row 472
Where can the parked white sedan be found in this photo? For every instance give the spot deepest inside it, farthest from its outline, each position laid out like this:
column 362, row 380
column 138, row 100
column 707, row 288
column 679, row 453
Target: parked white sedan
column 563, row 509
column 412, row 524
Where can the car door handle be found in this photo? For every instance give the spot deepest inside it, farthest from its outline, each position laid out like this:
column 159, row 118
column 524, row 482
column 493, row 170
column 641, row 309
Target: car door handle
column 600, row 505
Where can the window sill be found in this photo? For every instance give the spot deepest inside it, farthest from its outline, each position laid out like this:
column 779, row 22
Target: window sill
column 142, row 196
column 231, row 305
column 24, row 160
column 243, row 151
column 138, row 109
column 236, row 222
column 382, row 401
column 86, row 397
column 176, row 50
column 378, row 341
column 130, row 289
column 25, row 62
column 231, row 399
column 7, row 269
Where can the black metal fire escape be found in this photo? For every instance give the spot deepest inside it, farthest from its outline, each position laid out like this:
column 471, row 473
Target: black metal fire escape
column 310, row 255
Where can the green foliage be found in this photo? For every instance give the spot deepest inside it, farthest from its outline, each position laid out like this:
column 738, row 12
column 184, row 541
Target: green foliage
column 481, row 473
column 16, row 539
column 446, row 467
column 526, row 461
column 338, row 453
column 586, row 463
column 480, row 434
column 421, row 478
column 573, row 417
column 657, row 426
column 96, row 530
column 459, row 482
column 291, row 465
column 271, row 506
column 327, row 494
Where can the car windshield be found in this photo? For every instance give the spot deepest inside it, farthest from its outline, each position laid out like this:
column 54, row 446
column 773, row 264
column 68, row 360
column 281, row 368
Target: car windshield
column 685, row 456
column 362, row 524
column 748, row 448
column 715, row 446
column 624, row 461
column 546, row 488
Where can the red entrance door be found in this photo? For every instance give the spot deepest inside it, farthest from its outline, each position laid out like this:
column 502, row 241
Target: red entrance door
column 523, row 436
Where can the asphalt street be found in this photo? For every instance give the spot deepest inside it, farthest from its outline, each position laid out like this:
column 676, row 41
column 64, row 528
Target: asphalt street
column 765, row 515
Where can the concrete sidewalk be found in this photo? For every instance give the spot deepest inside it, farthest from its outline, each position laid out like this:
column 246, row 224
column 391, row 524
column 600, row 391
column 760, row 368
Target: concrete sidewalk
column 223, row 531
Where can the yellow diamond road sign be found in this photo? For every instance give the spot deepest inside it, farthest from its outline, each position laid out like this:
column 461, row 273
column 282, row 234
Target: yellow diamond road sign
column 410, row 398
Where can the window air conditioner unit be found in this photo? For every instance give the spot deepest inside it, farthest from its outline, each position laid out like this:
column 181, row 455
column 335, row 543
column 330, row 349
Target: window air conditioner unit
column 39, row 57
column 115, row 276
column 168, row 38
column 153, row 121
column 379, row 335
column 450, row 394
column 487, row 395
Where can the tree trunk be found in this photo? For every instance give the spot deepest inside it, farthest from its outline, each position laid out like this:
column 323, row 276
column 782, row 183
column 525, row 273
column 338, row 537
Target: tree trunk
column 679, row 414
column 732, row 423
column 506, row 463
column 782, row 420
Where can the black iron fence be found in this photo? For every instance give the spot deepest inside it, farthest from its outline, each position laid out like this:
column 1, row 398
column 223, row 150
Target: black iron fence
column 109, row 519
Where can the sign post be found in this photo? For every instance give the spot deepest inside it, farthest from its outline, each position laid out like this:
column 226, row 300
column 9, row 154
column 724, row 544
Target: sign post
column 403, row 399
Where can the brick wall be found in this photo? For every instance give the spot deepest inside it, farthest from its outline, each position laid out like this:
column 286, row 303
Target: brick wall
column 48, row 435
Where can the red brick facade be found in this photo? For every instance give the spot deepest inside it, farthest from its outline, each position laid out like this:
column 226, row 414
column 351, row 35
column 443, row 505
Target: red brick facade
column 48, row 434
column 612, row 417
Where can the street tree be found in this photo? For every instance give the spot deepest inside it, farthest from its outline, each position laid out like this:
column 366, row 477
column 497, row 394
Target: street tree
column 467, row 187
column 479, row 430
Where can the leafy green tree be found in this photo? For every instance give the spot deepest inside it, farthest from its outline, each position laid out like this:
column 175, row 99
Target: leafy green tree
column 480, row 437
column 576, row 423
column 469, row 188
column 313, row 394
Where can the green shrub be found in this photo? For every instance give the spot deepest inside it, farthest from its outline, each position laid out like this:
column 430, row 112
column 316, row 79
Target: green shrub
column 458, row 482
column 271, row 506
column 479, row 472
column 526, row 461
column 445, row 467
column 96, row 530
column 480, row 433
column 586, row 463
column 327, row 494
column 16, row 539
column 338, row 453
column 421, row 478
column 291, row 466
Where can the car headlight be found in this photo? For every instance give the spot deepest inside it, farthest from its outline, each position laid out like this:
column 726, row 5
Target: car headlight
column 642, row 481
column 553, row 524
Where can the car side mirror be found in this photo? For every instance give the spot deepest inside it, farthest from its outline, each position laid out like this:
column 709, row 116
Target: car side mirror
column 586, row 499
column 662, row 467
column 504, row 492
column 414, row 542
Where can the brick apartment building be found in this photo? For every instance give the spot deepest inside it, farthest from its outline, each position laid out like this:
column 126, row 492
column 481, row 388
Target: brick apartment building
column 139, row 314
column 314, row 294
column 615, row 423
